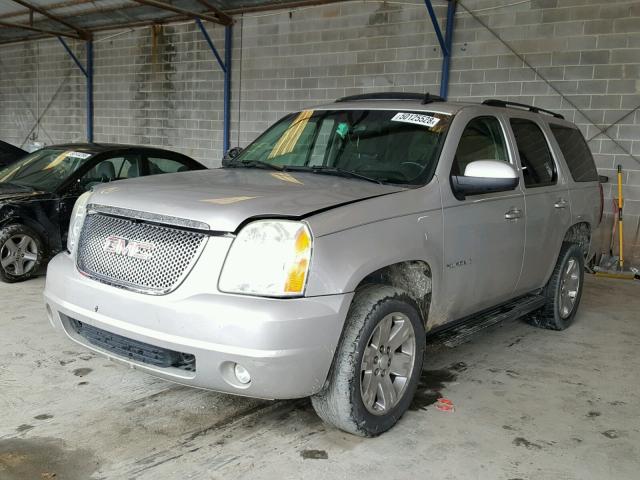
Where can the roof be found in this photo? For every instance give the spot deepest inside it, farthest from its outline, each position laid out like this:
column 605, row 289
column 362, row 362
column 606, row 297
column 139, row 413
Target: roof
column 81, row 18
column 444, row 107
column 95, row 148
column 449, row 108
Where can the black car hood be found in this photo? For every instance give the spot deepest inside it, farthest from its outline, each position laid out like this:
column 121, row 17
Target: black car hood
column 10, row 191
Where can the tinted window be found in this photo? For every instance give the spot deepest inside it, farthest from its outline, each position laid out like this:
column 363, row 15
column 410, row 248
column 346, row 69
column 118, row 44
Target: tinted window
column 111, row 169
column 482, row 139
column 576, row 153
column 166, row 165
column 538, row 168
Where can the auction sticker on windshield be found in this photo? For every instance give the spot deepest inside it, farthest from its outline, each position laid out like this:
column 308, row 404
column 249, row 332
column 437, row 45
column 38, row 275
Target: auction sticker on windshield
column 78, row 155
column 416, row 118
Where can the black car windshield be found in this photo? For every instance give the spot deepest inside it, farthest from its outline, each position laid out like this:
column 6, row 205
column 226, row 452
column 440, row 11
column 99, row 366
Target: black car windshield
column 400, row 147
column 46, row 169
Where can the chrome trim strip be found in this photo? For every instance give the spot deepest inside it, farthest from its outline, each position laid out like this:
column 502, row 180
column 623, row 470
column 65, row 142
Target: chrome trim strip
column 149, row 217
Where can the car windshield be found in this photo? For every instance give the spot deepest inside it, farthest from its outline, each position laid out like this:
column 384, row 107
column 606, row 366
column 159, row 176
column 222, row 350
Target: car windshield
column 400, row 147
column 45, row 169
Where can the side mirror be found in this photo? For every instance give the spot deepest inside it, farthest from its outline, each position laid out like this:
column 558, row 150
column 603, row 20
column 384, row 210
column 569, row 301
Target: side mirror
column 485, row 176
column 231, row 155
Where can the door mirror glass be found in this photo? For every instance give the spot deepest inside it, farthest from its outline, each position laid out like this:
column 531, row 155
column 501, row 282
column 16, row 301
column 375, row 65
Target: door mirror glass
column 485, row 176
column 231, row 155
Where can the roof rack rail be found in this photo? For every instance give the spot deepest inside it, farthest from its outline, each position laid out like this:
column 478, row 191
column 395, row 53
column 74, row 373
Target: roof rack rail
column 423, row 97
column 531, row 108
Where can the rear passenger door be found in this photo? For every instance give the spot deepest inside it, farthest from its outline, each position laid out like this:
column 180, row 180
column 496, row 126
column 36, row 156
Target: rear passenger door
column 547, row 201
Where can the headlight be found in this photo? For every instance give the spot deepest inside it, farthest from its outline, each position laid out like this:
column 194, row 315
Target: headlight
column 268, row 258
column 77, row 219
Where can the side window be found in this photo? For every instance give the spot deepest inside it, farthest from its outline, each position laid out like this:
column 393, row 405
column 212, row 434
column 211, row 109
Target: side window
column 111, row 169
column 166, row 165
column 538, row 168
column 576, row 153
column 482, row 139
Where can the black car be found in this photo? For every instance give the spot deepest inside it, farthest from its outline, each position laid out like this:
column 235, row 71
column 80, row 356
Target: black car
column 9, row 153
column 37, row 195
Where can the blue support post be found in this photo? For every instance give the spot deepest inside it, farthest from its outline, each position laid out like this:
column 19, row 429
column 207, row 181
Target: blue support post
column 436, row 26
column 225, row 66
column 89, row 76
column 87, row 71
column 446, row 42
column 228, row 45
column 446, row 60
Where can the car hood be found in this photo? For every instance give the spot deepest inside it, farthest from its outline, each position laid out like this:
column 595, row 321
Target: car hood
column 9, row 191
column 226, row 197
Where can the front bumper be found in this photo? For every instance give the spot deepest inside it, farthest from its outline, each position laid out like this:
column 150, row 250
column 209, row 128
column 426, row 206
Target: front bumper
column 287, row 345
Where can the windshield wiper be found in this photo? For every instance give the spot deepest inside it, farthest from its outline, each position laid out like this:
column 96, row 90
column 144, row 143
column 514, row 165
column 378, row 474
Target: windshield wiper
column 332, row 171
column 254, row 164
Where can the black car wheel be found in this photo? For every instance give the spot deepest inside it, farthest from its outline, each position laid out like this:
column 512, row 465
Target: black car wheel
column 563, row 290
column 21, row 253
column 377, row 365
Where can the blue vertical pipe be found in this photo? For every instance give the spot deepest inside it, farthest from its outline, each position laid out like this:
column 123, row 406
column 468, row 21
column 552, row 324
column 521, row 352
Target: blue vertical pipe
column 89, row 75
column 446, row 59
column 228, row 46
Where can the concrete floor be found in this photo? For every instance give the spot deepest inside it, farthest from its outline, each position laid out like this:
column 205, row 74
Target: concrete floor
column 529, row 404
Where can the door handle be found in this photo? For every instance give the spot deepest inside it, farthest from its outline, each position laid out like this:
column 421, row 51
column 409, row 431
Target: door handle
column 513, row 214
column 561, row 203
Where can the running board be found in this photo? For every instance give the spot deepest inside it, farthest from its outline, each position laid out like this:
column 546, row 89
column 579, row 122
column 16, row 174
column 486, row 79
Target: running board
column 463, row 330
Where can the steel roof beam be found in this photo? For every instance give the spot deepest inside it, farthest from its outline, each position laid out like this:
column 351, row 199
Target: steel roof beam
column 55, row 33
column 84, row 34
column 218, row 17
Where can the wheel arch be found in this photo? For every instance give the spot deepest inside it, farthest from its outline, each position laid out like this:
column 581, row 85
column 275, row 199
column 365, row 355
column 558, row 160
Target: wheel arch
column 12, row 216
column 413, row 276
column 580, row 233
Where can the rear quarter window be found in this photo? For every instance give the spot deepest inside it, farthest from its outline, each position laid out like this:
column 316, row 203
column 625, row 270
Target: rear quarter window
column 576, row 153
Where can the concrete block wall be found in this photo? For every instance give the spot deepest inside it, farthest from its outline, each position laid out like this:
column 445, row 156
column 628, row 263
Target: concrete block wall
column 165, row 88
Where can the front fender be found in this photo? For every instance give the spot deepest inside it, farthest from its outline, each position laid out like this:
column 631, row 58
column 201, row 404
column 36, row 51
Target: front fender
column 342, row 260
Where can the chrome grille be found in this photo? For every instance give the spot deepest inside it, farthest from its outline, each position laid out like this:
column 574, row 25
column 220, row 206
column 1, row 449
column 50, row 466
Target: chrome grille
column 173, row 253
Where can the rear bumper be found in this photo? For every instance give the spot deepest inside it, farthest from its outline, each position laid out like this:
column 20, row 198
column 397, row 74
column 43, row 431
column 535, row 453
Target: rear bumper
column 287, row 345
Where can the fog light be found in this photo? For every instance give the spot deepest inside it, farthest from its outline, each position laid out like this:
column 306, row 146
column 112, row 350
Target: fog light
column 242, row 375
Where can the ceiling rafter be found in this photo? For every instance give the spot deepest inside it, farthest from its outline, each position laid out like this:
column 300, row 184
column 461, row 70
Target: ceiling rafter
column 217, row 17
column 86, row 35
column 210, row 13
column 55, row 33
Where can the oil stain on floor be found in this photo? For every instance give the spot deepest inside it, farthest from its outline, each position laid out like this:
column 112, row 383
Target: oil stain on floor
column 44, row 458
column 431, row 384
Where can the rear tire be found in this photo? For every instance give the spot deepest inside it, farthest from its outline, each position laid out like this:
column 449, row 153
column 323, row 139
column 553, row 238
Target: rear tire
column 377, row 365
column 21, row 253
column 563, row 290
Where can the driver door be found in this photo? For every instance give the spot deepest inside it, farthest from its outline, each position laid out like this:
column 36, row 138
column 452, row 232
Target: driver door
column 484, row 234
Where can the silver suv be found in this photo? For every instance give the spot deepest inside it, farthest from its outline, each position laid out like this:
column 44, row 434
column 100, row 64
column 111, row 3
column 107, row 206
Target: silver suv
column 316, row 261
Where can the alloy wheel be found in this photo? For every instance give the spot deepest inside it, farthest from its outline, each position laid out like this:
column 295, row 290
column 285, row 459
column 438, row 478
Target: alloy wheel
column 387, row 363
column 569, row 287
column 19, row 254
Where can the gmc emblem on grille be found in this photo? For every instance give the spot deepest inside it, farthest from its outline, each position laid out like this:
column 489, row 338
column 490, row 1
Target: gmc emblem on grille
column 128, row 248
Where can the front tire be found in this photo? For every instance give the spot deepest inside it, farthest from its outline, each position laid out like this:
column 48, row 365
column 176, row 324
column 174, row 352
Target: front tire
column 21, row 253
column 563, row 291
column 377, row 365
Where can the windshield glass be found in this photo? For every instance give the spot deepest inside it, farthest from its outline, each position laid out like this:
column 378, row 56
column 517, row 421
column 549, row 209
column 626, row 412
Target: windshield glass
column 392, row 146
column 45, row 169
